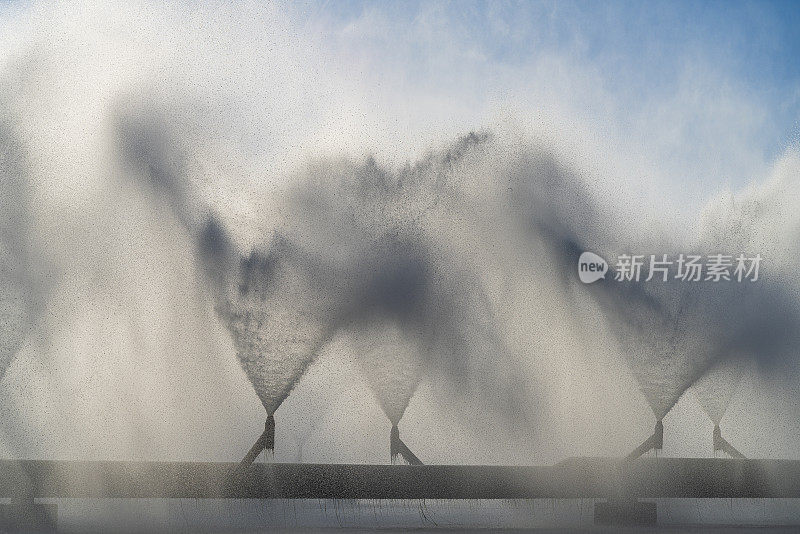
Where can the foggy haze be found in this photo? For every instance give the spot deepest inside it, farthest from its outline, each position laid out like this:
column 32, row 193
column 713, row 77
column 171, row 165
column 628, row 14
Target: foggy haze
column 230, row 221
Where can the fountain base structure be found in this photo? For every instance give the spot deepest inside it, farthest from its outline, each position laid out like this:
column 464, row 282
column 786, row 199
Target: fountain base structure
column 721, row 444
column 398, row 448
column 654, row 442
column 265, row 442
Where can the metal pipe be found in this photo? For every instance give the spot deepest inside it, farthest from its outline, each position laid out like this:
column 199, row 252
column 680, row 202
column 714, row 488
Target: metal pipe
column 269, row 433
column 721, row 444
column 602, row 478
column 266, row 441
column 253, row 453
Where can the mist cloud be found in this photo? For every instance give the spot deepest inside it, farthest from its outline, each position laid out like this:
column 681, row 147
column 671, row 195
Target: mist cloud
column 203, row 162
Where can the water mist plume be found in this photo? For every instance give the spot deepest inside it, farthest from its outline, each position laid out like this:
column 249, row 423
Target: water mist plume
column 761, row 219
column 362, row 249
column 357, row 254
column 268, row 299
column 717, row 387
column 299, row 177
column 392, row 366
column 19, row 292
column 671, row 333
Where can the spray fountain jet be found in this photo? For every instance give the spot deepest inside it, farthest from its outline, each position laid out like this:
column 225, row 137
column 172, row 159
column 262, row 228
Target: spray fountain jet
column 670, row 332
column 715, row 391
column 648, row 322
column 392, row 365
column 276, row 331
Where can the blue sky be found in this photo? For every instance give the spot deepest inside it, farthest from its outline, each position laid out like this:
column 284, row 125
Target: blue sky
column 643, row 54
column 641, row 45
column 758, row 41
column 708, row 91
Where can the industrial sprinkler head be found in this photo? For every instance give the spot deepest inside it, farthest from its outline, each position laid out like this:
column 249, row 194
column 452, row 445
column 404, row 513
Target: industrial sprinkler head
column 269, row 433
column 654, row 442
column 397, row 447
column 265, row 442
column 721, row 444
column 658, row 434
column 394, row 443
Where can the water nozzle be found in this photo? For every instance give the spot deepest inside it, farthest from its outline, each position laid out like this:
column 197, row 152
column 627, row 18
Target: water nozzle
column 721, row 444
column 397, row 447
column 394, row 443
column 265, row 442
column 658, row 436
column 269, row 433
column 654, row 442
column 717, row 438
